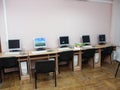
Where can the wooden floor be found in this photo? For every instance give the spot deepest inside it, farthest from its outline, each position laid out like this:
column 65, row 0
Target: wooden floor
column 86, row 79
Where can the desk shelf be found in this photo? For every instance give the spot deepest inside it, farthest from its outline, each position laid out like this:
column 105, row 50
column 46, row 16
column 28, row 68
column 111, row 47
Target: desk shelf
column 27, row 75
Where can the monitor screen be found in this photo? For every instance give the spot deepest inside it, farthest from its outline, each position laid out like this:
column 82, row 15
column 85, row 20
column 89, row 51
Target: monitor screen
column 86, row 39
column 102, row 39
column 64, row 40
column 14, row 44
column 39, row 42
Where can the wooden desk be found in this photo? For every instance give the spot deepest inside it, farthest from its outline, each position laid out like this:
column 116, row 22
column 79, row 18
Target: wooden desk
column 30, row 57
column 22, row 57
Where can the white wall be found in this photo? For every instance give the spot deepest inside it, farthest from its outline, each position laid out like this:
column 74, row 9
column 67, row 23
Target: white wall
column 27, row 19
column 115, row 32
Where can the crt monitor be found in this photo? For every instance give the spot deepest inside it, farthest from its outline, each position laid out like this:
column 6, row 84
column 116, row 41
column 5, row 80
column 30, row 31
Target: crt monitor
column 102, row 39
column 86, row 39
column 64, row 41
column 39, row 43
column 14, row 45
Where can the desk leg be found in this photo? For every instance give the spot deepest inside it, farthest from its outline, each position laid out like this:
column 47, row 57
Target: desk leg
column 0, row 76
column 56, row 59
column 30, row 68
column 80, row 60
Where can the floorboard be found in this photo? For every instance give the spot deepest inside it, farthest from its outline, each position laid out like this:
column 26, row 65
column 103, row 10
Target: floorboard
column 87, row 79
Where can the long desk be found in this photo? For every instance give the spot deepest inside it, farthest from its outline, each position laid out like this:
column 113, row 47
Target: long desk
column 22, row 57
column 31, row 57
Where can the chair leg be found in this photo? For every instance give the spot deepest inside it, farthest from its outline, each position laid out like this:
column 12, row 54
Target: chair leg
column 117, row 69
column 35, row 81
column 110, row 59
column 59, row 69
column 19, row 76
column 72, row 67
column 55, row 79
column 103, row 59
column 0, row 76
column 93, row 63
column 19, row 72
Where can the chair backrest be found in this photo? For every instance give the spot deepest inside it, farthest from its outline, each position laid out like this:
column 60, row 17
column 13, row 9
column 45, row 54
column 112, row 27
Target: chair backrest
column 45, row 66
column 8, row 62
column 107, row 50
column 66, row 56
column 89, row 53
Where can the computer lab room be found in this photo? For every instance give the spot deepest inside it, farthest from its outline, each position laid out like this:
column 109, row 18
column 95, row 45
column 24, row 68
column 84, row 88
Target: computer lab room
column 59, row 45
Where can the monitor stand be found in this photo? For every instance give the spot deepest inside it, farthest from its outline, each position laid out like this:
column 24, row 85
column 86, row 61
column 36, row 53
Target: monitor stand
column 63, row 46
column 14, row 50
column 86, row 44
column 102, row 43
column 39, row 49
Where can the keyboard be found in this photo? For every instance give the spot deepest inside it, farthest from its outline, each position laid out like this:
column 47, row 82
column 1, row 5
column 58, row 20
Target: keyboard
column 87, row 46
column 38, row 52
column 65, row 48
column 12, row 53
column 77, row 48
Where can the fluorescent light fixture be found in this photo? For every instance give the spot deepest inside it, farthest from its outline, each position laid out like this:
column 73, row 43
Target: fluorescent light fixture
column 101, row 1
